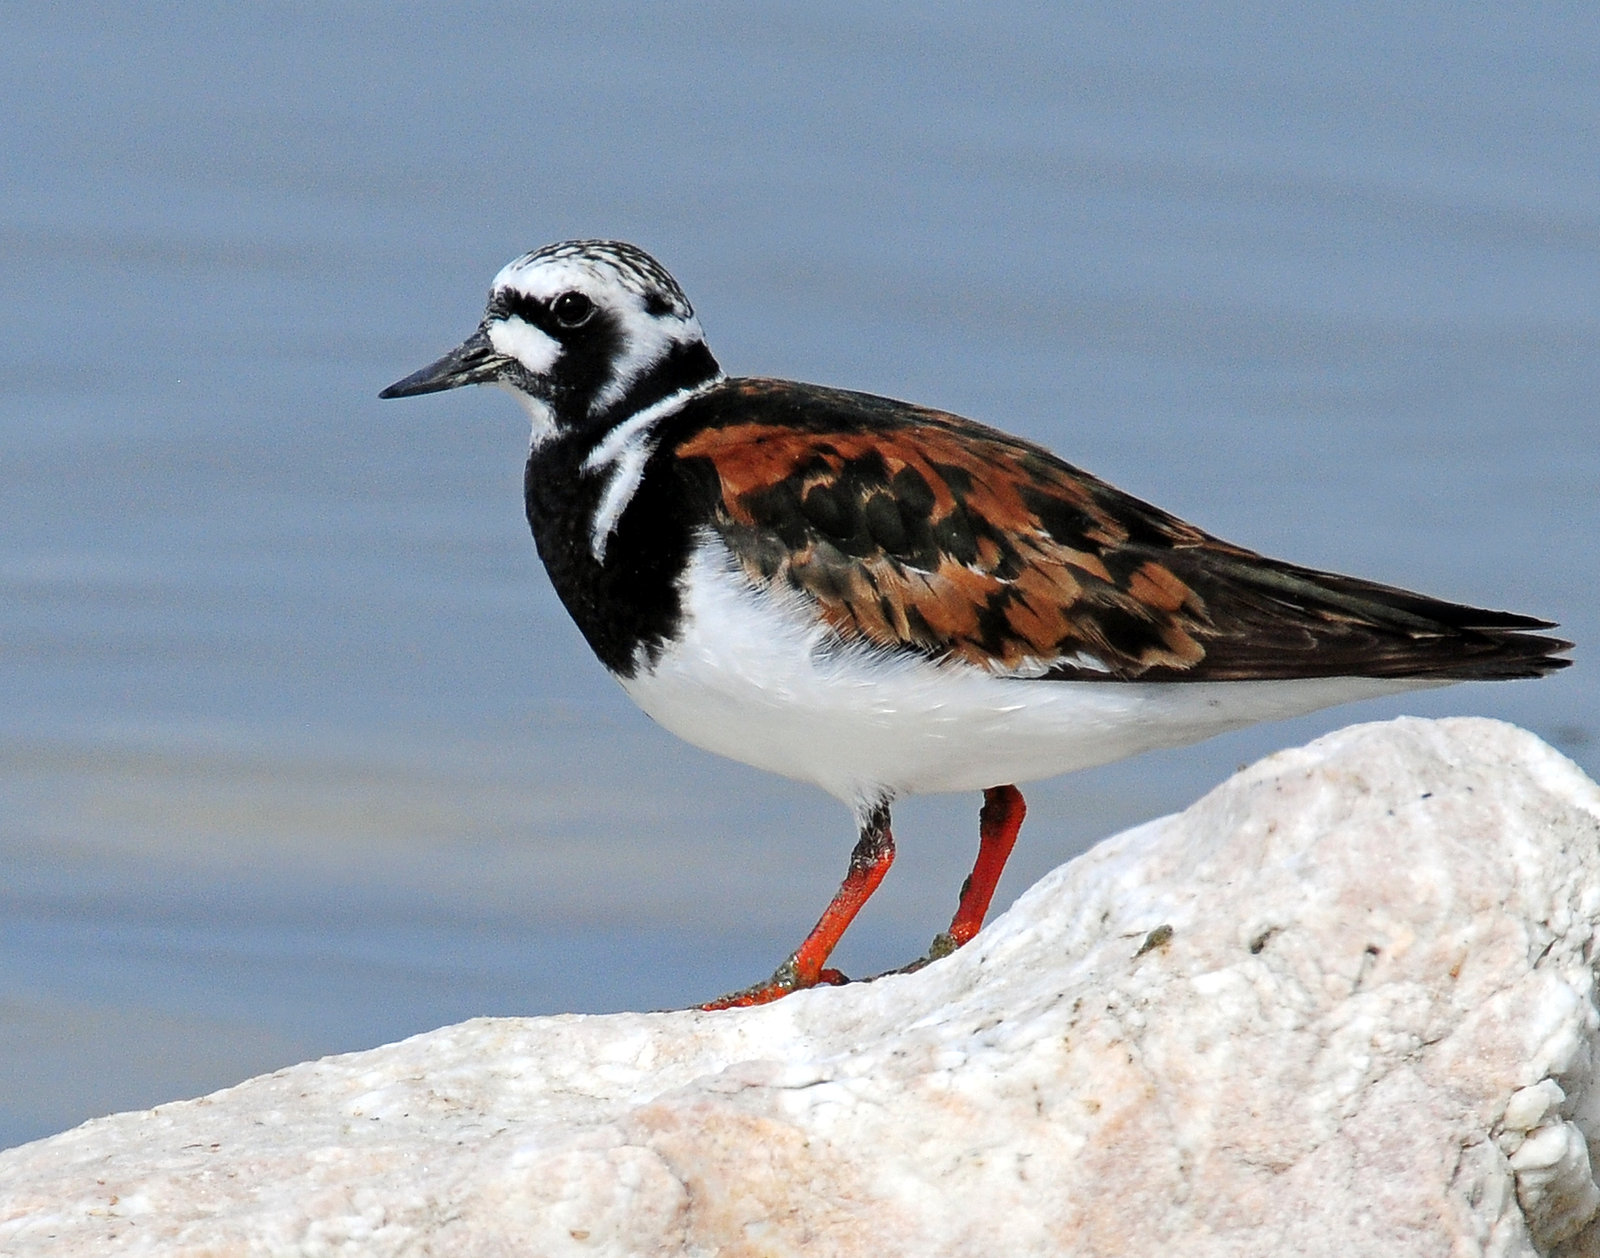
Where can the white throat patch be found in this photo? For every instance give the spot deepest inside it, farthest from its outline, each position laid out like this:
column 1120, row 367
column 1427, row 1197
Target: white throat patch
column 542, row 420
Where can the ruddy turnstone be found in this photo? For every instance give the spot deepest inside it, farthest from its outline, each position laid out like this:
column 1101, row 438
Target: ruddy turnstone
column 884, row 599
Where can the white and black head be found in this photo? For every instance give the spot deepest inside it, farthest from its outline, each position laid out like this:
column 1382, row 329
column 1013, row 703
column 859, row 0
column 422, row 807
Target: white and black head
column 579, row 332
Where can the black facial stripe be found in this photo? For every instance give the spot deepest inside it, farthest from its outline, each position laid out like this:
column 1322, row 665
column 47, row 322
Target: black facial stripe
column 589, row 357
column 515, row 374
column 510, row 303
column 588, row 353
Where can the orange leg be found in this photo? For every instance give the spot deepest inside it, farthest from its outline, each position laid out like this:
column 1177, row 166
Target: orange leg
column 998, row 823
column 869, row 862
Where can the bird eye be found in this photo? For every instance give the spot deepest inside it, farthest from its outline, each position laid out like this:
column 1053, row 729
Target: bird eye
column 571, row 310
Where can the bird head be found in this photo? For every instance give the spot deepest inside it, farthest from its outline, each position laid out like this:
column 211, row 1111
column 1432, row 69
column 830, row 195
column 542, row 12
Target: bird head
column 579, row 332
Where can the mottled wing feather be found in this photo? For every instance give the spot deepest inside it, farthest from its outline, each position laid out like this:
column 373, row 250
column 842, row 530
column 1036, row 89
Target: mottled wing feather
column 918, row 530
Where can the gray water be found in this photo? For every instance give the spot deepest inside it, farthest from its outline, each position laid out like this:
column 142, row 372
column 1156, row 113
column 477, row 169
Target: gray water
column 298, row 754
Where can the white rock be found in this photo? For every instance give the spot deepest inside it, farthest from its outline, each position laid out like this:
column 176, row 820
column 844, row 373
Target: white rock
column 1344, row 1005
column 1528, row 1106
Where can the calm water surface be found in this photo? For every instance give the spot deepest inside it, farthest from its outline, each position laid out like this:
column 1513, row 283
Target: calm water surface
column 298, row 753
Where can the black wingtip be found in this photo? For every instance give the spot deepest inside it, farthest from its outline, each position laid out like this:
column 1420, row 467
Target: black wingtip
column 1498, row 654
column 1483, row 618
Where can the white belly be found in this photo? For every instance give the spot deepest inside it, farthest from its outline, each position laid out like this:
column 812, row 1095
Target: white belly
column 759, row 680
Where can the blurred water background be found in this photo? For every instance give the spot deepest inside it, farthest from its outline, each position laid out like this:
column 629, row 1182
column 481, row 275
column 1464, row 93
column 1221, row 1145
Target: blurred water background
column 298, row 753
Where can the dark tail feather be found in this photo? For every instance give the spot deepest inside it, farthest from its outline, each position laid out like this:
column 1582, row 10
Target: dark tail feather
column 1505, row 657
column 1357, row 628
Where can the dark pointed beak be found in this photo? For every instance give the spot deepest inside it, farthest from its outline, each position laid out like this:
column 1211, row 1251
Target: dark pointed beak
column 474, row 361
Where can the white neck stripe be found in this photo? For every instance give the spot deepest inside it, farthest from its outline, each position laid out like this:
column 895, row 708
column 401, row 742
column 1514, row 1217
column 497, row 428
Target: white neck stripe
column 626, row 448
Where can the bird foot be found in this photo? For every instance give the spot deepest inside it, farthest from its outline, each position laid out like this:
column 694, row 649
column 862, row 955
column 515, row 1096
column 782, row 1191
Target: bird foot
column 785, row 979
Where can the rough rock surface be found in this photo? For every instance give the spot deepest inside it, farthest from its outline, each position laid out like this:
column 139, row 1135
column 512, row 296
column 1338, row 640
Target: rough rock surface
column 1343, row 1005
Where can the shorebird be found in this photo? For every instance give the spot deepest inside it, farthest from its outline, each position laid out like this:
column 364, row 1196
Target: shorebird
column 884, row 599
